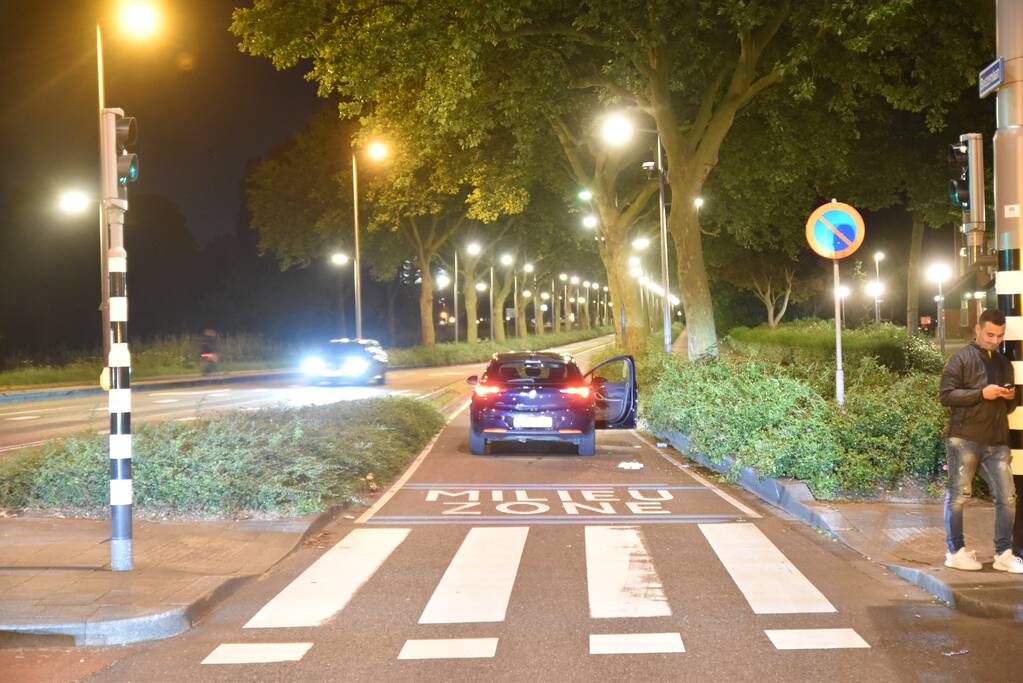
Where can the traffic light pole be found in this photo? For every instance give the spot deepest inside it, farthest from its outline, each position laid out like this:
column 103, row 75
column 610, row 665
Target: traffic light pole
column 119, row 359
column 1008, row 146
column 103, row 242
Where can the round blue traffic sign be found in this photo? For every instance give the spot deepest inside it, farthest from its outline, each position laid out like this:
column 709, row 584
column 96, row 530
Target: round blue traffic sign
column 835, row 230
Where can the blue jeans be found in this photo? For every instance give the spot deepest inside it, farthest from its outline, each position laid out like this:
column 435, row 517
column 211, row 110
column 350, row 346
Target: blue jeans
column 965, row 459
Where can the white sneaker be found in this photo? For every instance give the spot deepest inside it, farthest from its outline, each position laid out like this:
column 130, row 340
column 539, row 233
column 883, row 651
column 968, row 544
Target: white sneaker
column 1007, row 562
column 963, row 559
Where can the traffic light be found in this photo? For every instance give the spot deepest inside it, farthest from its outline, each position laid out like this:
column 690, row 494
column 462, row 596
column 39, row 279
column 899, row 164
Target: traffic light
column 126, row 133
column 120, row 166
column 959, row 187
column 408, row 274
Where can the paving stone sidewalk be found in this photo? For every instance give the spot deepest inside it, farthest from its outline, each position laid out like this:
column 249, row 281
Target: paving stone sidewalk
column 55, row 577
column 909, row 538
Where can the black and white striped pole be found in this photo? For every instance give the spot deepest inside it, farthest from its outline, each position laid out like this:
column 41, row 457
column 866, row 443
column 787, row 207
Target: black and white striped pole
column 118, row 167
column 1008, row 148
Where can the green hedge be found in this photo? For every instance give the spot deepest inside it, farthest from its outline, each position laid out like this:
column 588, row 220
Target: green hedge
column 271, row 462
column 774, row 419
column 813, row 340
column 451, row 353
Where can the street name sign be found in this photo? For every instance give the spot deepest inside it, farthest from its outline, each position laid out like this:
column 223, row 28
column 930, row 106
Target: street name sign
column 991, row 77
column 835, row 230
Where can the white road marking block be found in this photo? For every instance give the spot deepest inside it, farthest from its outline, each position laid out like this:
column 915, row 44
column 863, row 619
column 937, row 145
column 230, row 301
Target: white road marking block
column 326, row 586
column 815, row 639
column 24, row 417
column 167, row 400
column 635, row 643
column 257, row 653
column 620, row 576
column 449, row 648
column 770, row 583
column 478, row 583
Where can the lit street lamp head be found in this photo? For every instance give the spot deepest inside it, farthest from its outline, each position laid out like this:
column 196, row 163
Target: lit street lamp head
column 139, row 19
column 616, row 129
column 481, row 287
column 843, row 291
column 586, row 284
column 73, row 202
column 640, row 243
column 879, row 256
column 939, row 273
column 339, row 259
column 633, row 261
column 875, row 288
column 698, row 202
column 589, row 221
column 377, row 151
column 443, row 281
column 562, row 277
column 545, row 296
column 528, row 268
column 473, row 249
column 594, row 286
column 574, row 279
column 507, row 259
column 585, row 195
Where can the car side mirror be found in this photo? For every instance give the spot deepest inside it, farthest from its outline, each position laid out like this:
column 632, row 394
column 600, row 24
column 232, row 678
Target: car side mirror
column 472, row 380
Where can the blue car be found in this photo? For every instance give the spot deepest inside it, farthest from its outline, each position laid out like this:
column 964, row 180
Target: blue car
column 351, row 361
column 543, row 396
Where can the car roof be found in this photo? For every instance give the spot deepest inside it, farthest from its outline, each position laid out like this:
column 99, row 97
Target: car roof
column 513, row 356
column 346, row 340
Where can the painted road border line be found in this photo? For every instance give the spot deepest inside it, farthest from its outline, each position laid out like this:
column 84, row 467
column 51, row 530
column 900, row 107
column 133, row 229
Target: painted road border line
column 745, row 509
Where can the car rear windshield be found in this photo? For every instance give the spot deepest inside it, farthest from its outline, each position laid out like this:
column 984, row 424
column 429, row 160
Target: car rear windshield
column 533, row 371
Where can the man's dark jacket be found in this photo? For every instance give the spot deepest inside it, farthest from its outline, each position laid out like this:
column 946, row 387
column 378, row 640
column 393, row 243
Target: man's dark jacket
column 972, row 417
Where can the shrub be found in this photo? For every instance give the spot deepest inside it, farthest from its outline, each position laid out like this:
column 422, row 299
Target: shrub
column 813, row 341
column 270, row 462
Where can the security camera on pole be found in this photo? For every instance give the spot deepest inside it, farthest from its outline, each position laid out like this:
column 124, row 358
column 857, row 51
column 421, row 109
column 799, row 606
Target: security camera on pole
column 834, row 231
column 118, row 167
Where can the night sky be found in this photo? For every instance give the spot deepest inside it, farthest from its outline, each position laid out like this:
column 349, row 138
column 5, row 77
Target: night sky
column 203, row 108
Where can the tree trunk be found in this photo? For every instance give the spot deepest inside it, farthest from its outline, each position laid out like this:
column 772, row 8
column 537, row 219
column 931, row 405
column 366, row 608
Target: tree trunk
column 916, row 245
column 426, row 305
column 684, row 225
column 471, row 314
column 625, row 297
column 521, row 317
column 555, row 312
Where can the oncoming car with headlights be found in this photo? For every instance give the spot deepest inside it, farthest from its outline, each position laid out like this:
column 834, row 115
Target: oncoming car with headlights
column 543, row 396
column 355, row 361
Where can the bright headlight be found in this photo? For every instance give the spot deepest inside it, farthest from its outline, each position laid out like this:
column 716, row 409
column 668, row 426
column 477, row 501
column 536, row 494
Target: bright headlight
column 354, row 366
column 313, row 365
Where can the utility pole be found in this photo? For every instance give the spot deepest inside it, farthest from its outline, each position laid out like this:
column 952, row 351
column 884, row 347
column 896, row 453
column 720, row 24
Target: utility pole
column 1008, row 147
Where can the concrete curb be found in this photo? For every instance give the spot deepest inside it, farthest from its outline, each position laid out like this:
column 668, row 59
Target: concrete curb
column 795, row 498
column 70, row 392
column 161, row 623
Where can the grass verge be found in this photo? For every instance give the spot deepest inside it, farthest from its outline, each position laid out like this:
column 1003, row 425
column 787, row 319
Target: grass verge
column 275, row 462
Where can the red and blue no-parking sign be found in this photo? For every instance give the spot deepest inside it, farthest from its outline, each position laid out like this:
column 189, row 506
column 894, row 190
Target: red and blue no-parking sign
column 835, row 230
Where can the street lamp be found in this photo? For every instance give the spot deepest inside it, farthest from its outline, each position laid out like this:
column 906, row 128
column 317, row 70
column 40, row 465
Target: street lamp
column 640, row 243
column 73, row 202
column 589, row 221
column 939, row 273
column 875, row 289
column 698, row 203
column 878, row 257
column 139, row 19
column 340, row 259
column 377, row 151
column 617, row 130
column 843, row 293
column 585, row 195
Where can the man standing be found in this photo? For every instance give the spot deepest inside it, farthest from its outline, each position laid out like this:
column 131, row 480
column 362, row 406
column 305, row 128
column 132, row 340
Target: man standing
column 977, row 384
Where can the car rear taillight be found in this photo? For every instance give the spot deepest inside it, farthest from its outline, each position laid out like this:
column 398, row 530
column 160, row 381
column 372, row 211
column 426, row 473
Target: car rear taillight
column 483, row 390
column 581, row 392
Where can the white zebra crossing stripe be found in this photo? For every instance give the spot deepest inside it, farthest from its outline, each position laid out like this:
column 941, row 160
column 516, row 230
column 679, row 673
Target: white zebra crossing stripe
column 620, row 576
column 816, row 639
column 449, row 648
column 323, row 590
column 770, row 583
column 478, row 583
column 635, row 643
column 257, row 653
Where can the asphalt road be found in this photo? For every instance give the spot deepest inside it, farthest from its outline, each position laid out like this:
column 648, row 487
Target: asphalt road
column 32, row 423
column 537, row 564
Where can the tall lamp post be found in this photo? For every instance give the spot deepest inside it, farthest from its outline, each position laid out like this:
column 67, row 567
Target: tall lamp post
column 340, row 260
column 564, row 302
column 376, row 151
column 529, row 270
column 940, row 273
column 617, row 129
column 878, row 257
column 508, row 260
column 575, row 281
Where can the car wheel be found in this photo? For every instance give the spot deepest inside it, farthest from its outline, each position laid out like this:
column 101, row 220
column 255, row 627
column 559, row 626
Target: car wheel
column 477, row 444
column 588, row 444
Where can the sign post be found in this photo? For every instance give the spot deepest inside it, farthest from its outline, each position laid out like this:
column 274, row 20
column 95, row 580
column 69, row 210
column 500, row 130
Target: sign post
column 834, row 231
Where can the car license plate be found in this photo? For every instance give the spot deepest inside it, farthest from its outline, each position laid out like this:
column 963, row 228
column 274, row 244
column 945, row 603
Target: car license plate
column 533, row 421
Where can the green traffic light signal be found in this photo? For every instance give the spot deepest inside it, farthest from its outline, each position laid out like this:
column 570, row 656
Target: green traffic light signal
column 127, row 168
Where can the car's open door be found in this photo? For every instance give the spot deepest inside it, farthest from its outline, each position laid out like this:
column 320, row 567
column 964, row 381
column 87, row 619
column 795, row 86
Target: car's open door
column 615, row 393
